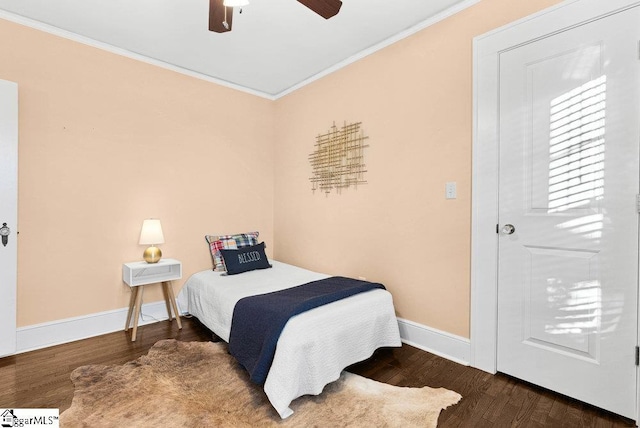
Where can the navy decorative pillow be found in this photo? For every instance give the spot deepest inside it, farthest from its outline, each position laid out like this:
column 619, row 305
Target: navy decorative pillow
column 245, row 259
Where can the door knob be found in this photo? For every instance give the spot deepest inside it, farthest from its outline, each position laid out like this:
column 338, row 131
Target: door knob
column 4, row 232
column 508, row 229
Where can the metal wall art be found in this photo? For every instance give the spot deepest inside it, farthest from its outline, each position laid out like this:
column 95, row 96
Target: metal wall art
column 338, row 160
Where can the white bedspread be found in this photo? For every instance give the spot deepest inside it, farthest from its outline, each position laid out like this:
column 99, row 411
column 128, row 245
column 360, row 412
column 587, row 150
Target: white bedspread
column 314, row 346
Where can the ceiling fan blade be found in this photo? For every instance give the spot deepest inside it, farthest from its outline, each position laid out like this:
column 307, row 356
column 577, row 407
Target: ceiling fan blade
column 324, row 8
column 217, row 16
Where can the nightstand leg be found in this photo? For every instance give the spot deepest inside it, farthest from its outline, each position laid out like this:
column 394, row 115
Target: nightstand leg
column 165, row 292
column 137, row 313
column 172, row 299
column 132, row 302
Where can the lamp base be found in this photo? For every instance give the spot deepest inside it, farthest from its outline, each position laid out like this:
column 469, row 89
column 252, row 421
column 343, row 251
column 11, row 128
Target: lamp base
column 152, row 255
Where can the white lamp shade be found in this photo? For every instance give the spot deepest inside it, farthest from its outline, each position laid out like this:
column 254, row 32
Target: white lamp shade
column 235, row 3
column 151, row 232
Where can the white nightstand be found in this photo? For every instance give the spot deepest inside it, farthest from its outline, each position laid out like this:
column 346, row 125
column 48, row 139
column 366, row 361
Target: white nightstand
column 139, row 274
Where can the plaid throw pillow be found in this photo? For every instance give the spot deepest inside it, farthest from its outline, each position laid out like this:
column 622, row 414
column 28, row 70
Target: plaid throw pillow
column 228, row 242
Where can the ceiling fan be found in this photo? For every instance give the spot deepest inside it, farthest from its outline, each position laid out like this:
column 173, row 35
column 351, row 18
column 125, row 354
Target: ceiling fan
column 221, row 11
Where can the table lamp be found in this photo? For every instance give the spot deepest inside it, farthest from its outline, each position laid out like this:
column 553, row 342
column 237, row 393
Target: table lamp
column 151, row 234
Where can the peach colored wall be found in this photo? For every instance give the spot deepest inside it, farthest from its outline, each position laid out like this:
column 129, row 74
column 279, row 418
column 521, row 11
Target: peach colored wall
column 414, row 99
column 107, row 141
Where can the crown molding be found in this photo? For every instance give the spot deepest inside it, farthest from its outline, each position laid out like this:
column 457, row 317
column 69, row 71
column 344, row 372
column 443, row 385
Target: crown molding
column 37, row 25
column 28, row 22
column 381, row 45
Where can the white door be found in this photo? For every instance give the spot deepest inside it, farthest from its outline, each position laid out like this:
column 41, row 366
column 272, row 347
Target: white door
column 8, row 214
column 568, row 155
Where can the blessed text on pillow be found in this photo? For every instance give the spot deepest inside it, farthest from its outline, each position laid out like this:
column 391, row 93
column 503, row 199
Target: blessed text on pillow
column 245, row 259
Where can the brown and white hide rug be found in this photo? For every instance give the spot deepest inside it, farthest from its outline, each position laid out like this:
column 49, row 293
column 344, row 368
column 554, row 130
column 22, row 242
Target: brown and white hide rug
column 198, row 384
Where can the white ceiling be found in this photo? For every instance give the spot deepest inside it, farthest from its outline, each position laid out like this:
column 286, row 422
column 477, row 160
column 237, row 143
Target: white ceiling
column 275, row 46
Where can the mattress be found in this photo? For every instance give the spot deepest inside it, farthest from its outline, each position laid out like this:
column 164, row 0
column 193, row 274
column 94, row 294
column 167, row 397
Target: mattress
column 315, row 346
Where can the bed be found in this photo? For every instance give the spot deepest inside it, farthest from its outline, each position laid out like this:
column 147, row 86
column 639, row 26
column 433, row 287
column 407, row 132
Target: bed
column 315, row 346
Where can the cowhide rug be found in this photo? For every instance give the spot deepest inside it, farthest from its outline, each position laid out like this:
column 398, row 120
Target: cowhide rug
column 198, row 384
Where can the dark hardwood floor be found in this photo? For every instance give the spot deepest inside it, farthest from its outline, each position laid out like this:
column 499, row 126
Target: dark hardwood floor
column 41, row 379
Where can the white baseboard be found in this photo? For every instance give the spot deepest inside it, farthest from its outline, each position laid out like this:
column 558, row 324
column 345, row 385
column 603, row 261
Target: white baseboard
column 39, row 336
column 443, row 344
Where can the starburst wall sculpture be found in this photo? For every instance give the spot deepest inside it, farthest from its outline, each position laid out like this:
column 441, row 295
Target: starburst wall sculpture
column 338, row 160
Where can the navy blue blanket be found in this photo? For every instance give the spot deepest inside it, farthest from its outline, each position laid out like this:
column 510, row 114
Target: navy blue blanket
column 258, row 320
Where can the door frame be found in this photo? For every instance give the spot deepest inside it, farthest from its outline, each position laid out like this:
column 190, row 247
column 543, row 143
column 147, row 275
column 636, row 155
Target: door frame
column 485, row 180
column 8, row 188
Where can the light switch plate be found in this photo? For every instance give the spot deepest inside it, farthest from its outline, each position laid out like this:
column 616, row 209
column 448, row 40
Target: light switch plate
column 450, row 190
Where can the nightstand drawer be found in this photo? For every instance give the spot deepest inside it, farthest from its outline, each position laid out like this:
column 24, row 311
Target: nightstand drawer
column 141, row 273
